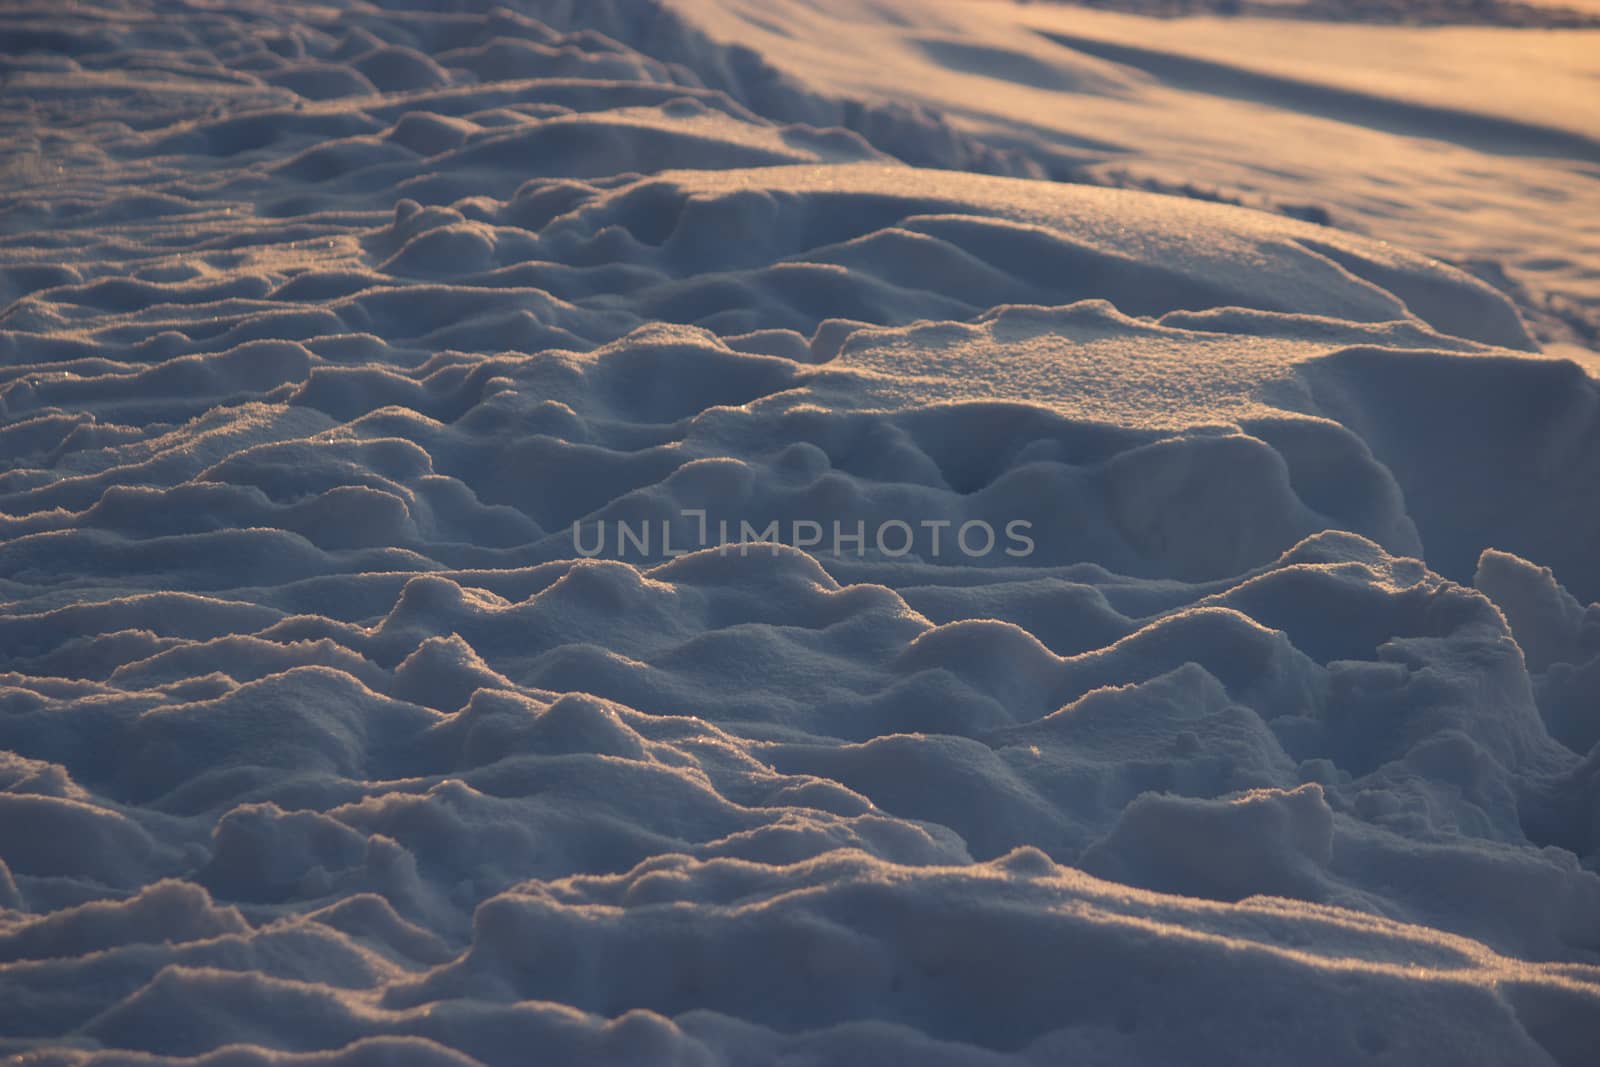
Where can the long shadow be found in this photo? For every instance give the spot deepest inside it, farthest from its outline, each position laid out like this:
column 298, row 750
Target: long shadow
column 1482, row 133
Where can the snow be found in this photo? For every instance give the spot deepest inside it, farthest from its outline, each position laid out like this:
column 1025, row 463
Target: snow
column 1163, row 630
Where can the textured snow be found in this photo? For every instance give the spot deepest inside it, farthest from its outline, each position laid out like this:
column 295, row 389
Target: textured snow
column 331, row 336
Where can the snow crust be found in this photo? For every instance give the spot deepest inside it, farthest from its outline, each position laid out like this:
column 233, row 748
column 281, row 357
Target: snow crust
column 331, row 334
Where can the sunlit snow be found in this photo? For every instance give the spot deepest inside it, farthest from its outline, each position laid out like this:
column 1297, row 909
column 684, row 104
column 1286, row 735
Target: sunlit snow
column 1165, row 452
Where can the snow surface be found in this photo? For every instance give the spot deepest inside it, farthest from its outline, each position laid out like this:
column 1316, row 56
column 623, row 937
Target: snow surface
column 329, row 333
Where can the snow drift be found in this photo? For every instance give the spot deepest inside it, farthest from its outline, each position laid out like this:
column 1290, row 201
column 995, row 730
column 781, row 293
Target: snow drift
column 334, row 337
